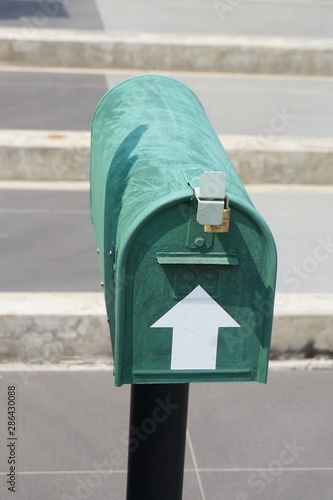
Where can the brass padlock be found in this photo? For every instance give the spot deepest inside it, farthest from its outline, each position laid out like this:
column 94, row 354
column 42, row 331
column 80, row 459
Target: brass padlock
column 224, row 226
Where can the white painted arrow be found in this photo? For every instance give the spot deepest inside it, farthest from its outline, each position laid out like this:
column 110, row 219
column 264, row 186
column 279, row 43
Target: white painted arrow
column 195, row 321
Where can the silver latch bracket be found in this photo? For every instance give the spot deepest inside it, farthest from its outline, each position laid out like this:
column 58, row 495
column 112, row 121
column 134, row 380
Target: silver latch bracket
column 211, row 198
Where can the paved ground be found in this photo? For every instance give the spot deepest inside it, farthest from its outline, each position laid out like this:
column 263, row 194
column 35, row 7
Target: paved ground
column 245, row 441
column 234, row 104
column 248, row 104
column 48, row 243
column 49, row 101
column 35, row 14
column 244, row 17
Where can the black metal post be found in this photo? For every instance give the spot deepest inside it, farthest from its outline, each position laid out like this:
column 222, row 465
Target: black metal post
column 157, row 439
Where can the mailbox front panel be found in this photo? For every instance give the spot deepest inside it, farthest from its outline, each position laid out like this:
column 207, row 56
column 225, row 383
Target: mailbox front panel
column 232, row 278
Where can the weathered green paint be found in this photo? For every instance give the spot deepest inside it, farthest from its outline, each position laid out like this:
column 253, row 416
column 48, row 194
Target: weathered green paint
column 151, row 140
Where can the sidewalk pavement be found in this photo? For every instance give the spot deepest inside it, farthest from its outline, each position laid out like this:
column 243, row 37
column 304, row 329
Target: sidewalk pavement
column 239, row 17
column 244, row 442
column 232, row 17
column 33, row 15
column 262, row 106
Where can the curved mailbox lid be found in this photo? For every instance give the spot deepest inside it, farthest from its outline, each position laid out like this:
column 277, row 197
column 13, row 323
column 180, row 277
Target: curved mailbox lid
column 150, row 138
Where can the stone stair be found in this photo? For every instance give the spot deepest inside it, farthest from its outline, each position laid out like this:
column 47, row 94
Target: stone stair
column 266, row 86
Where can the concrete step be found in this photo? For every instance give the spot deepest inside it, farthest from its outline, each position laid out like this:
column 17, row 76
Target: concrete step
column 65, row 327
column 64, row 156
column 291, row 18
column 48, row 246
column 295, row 18
column 263, row 106
column 166, row 52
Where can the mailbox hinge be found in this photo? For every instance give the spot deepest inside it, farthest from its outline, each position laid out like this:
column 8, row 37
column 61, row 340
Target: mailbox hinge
column 213, row 204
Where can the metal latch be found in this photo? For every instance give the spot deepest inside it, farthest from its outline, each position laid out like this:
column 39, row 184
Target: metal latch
column 213, row 204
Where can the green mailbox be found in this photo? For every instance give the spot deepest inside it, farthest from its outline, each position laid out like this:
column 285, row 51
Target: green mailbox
column 188, row 265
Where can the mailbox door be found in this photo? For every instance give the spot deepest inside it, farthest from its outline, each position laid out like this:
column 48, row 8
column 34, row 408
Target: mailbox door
column 231, row 276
